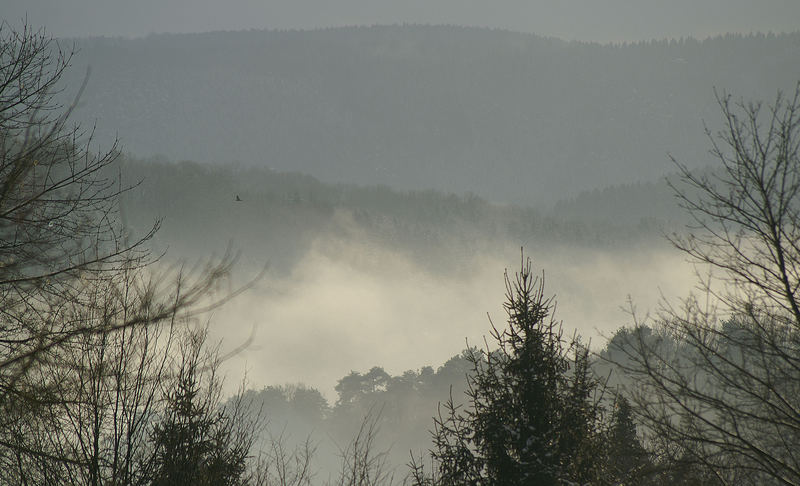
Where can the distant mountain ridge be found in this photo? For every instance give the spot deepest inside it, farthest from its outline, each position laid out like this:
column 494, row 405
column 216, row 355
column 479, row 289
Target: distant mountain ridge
column 510, row 117
column 604, row 21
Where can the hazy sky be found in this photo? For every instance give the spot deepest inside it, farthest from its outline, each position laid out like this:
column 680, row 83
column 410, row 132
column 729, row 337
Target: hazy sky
column 593, row 20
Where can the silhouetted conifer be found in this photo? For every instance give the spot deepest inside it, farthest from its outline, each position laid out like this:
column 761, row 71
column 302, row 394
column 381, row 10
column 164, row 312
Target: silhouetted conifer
column 198, row 443
column 628, row 462
column 531, row 416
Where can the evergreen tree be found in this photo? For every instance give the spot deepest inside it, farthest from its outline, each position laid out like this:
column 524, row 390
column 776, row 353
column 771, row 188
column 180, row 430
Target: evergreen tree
column 628, row 461
column 531, row 416
column 198, row 442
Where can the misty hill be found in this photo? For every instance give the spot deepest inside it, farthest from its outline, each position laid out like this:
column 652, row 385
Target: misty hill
column 510, row 117
column 279, row 215
column 625, row 204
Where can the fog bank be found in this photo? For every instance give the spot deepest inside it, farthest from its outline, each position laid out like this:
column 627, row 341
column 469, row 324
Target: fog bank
column 350, row 306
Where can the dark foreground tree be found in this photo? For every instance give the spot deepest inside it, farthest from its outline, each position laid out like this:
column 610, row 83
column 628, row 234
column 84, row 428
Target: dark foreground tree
column 532, row 414
column 70, row 279
column 196, row 441
column 59, row 224
column 725, row 398
column 627, row 461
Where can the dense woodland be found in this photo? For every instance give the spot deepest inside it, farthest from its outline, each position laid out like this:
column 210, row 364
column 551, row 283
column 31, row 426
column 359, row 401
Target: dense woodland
column 108, row 375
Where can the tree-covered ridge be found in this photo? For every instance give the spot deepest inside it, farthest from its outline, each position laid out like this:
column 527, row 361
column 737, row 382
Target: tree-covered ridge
column 510, row 117
column 282, row 213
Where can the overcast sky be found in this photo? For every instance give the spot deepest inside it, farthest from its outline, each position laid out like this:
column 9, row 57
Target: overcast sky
column 591, row 20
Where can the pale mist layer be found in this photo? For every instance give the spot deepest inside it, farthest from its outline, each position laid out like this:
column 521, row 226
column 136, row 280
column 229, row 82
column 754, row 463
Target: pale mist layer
column 348, row 307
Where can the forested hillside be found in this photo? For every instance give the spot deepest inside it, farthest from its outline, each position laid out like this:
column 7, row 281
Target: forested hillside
column 510, row 117
column 276, row 216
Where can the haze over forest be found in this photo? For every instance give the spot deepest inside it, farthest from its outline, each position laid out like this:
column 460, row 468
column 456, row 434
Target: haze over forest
column 386, row 161
column 507, row 117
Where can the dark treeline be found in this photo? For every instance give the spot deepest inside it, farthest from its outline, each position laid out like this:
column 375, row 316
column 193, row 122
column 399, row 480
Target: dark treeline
column 402, row 407
column 286, row 212
column 643, row 202
column 510, row 117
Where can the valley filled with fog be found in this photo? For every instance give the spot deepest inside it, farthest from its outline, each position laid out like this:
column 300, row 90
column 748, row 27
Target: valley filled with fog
column 385, row 178
column 347, row 307
column 357, row 277
column 327, row 226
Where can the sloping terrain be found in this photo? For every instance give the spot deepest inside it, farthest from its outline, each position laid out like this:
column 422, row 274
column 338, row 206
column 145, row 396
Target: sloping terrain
column 510, row 117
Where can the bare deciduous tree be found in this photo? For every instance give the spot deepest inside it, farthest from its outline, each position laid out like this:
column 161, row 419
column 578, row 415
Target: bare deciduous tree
column 723, row 386
column 76, row 302
column 278, row 465
column 362, row 462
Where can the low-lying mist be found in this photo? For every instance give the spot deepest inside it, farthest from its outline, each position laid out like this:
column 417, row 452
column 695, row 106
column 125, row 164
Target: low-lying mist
column 371, row 294
column 363, row 276
column 348, row 305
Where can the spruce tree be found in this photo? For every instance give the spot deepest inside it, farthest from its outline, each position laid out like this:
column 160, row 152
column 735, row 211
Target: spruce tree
column 628, row 461
column 197, row 442
column 531, row 415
